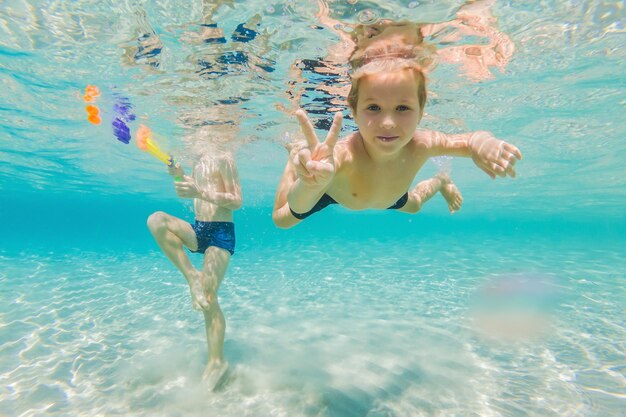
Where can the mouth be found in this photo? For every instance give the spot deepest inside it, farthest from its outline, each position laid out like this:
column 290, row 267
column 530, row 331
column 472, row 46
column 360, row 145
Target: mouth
column 387, row 138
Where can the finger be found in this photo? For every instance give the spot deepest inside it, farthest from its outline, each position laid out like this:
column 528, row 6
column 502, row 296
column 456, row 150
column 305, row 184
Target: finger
column 335, row 130
column 514, row 150
column 302, row 158
column 509, row 157
column 295, row 156
column 317, row 167
column 510, row 171
column 296, row 147
column 307, row 128
column 498, row 170
column 508, row 167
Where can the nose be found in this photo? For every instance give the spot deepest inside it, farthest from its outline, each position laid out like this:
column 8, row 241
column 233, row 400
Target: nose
column 388, row 122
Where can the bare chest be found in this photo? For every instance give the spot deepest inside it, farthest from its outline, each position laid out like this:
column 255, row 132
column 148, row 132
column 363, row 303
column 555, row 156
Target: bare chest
column 209, row 179
column 359, row 186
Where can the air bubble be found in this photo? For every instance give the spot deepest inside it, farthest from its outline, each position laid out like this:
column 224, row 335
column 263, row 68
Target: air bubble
column 270, row 9
column 368, row 17
column 413, row 4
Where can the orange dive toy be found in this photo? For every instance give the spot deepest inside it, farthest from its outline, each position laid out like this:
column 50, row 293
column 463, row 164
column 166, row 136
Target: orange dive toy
column 93, row 112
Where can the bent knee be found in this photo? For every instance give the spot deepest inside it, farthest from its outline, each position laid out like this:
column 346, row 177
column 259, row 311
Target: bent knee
column 211, row 297
column 282, row 225
column 157, row 221
column 413, row 206
column 284, row 222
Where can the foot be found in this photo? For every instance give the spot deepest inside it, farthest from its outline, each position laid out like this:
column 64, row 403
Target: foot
column 451, row 193
column 198, row 297
column 214, row 373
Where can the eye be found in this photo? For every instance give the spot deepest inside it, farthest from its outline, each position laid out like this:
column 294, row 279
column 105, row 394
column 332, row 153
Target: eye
column 373, row 107
column 403, row 108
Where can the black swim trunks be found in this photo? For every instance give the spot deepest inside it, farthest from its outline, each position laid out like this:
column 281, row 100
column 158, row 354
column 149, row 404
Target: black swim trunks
column 327, row 200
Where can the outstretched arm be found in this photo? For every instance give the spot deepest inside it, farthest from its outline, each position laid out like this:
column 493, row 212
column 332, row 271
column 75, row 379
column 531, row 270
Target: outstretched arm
column 308, row 173
column 492, row 155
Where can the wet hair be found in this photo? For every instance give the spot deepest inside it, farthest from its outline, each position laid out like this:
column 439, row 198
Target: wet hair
column 385, row 66
column 387, row 47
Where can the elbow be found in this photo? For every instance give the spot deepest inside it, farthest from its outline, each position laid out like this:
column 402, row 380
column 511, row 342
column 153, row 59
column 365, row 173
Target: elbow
column 234, row 200
column 281, row 221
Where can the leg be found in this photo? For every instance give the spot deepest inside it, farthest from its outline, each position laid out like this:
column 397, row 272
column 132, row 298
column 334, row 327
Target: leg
column 450, row 193
column 425, row 190
column 171, row 233
column 213, row 271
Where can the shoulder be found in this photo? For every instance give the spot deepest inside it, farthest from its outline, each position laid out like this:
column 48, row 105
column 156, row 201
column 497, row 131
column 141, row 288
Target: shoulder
column 423, row 144
column 424, row 138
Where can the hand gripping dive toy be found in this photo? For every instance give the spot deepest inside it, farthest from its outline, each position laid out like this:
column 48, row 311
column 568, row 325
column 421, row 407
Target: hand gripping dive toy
column 146, row 143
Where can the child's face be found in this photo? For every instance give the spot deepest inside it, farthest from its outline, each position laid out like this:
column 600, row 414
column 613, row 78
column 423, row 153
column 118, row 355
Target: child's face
column 388, row 110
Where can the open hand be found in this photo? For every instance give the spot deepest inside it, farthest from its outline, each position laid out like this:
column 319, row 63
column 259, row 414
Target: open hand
column 494, row 156
column 315, row 163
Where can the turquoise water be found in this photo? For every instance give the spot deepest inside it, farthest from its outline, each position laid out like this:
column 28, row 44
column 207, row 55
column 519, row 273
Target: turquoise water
column 512, row 307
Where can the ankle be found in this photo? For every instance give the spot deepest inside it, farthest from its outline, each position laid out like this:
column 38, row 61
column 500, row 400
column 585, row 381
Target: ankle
column 443, row 177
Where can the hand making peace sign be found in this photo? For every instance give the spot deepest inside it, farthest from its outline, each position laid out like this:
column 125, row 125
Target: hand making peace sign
column 315, row 163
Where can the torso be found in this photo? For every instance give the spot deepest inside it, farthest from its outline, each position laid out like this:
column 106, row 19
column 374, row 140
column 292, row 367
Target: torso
column 207, row 174
column 360, row 183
